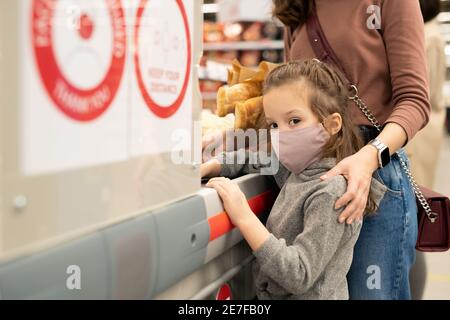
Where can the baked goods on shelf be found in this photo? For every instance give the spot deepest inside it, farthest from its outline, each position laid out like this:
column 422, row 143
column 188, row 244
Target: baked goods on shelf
column 243, row 95
column 228, row 96
column 239, row 106
column 213, row 124
column 248, row 113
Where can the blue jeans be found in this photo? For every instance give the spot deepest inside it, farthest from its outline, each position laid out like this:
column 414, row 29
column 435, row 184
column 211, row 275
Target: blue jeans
column 385, row 250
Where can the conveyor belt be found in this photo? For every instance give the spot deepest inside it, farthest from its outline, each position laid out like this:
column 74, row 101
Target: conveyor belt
column 154, row 255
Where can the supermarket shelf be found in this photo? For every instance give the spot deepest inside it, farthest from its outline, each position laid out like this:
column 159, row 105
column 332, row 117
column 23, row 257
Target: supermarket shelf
column 210, row 8
column 244, row 45
column 213, row 71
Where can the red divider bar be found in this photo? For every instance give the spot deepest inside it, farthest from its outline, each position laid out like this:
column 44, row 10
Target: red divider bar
column 220, row 224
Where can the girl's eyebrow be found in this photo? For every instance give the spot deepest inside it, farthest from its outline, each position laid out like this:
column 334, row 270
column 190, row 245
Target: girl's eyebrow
column 293, row 111
column 286, row 113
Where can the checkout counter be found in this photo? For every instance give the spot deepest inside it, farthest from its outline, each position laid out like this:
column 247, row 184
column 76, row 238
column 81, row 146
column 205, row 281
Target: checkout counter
column 186, row 250
column 92, row 203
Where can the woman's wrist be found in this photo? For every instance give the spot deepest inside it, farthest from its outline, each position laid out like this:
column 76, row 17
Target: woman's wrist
column 393, row 136
column 371, row 157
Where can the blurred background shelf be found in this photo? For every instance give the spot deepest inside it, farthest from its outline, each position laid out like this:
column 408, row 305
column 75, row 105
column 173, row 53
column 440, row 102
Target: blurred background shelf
column 245, row 45
column 209, row 95
column 233, row 29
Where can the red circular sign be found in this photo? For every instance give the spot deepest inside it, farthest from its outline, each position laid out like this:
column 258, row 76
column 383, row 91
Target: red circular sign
column 78, row 104
column 86, row 27
column 159, row 110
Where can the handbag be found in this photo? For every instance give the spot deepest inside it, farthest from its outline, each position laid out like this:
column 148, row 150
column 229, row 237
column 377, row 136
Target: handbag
column 433, row 208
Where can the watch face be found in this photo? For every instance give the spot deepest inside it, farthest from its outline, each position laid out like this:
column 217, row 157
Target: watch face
column 385, row 157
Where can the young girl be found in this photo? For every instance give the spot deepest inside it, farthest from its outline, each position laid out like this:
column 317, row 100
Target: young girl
column 303, row 252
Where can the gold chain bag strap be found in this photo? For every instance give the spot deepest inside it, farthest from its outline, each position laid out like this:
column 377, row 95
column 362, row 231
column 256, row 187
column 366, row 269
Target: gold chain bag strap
column 433, row 208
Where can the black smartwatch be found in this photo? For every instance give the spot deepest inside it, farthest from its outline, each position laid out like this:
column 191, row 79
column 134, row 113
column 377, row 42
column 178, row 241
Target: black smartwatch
column 384, row 157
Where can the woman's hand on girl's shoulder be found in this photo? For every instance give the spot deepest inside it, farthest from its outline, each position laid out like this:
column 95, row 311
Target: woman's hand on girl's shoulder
column 358, row 170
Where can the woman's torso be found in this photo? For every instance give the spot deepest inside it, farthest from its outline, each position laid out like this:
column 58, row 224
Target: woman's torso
column 354, row 30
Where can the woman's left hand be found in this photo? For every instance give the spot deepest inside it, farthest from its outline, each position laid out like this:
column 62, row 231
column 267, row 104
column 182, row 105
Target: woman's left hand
column 358, row 170
column 233, row 199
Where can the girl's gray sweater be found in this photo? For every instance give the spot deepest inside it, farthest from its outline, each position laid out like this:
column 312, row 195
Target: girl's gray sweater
column 308, row 253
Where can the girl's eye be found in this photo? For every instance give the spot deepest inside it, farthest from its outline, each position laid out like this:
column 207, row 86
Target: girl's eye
column 293, row 122
column 273, row 126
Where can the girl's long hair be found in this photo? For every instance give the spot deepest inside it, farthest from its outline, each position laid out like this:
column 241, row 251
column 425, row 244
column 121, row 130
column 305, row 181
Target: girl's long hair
column 326, row 93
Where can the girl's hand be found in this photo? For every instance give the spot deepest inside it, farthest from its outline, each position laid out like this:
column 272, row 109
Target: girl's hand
column 358, row 170
column 210, row 146
column 210, row 168
column 233, row 199
column 213, row 144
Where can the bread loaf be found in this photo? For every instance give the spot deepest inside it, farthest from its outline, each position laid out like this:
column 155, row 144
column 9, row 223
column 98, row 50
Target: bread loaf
column 227, row 97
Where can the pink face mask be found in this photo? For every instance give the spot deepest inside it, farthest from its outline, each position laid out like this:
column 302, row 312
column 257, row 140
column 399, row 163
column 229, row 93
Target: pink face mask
column 298, row 149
